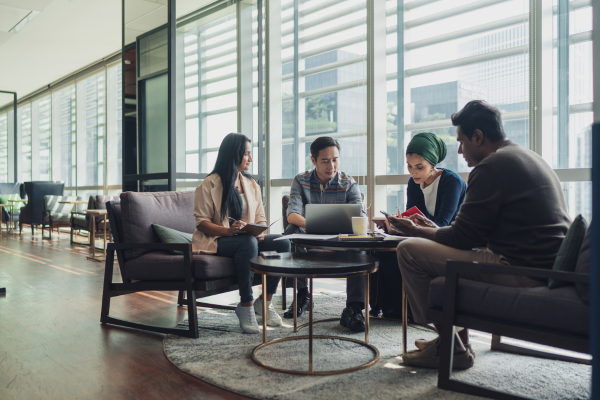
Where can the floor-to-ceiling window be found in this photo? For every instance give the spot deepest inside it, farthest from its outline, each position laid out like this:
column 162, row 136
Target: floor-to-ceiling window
column 24, row 133
column 44, row 134
column 571, row 136
column 64, row 132
column 449, row 53
column 91, row 133
column 4, row 147
column 438, row 56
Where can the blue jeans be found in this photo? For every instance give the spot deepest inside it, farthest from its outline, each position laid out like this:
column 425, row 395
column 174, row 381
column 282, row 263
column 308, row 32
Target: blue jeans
column 244, row 247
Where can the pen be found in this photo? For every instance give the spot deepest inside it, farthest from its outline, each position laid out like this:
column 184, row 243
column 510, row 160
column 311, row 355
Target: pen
column 426, row 222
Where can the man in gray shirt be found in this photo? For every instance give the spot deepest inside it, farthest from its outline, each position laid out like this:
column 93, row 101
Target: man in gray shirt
column 514, row 206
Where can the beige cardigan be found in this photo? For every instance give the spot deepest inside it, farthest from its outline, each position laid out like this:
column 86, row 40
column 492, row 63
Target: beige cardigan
column 207, row 207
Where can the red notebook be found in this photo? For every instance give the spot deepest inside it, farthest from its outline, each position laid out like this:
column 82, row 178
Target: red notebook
column 411, row 211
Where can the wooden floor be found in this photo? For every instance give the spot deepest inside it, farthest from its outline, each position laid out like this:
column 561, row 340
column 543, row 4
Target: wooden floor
column 52, row 345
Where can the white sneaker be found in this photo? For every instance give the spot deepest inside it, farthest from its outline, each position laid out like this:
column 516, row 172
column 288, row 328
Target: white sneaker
column 273, row 319
column 247, row 319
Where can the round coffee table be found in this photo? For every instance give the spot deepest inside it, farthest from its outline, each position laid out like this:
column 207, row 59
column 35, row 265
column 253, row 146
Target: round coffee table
column 314, row 265
column 359, row 246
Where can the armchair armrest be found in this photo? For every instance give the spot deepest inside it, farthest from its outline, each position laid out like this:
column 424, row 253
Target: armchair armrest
column 78, row 213
column 454, row 268
column 186, row 248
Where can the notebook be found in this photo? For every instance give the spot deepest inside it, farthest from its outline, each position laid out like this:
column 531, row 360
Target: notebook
column 360, row 238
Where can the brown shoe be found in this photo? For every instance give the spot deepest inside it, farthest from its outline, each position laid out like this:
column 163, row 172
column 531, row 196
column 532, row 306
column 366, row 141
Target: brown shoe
column 429, row 358
column 422, row 344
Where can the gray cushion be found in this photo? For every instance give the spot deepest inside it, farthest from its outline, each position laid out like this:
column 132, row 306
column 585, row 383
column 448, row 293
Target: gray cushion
column 139, row 211
column 161, row 265
column 51, row 203
column 57, row 218
column 559, row 309
column 79, row 222
column 566, row 259
column 583, row 266
column 168, row 235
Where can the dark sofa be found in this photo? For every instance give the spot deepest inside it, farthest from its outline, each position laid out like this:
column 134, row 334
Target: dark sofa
column 146, row 264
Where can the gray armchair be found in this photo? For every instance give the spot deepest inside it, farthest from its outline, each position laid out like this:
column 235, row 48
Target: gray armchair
column 81, row 221
column 145, row 263
column 55, row 214
column 553, row 317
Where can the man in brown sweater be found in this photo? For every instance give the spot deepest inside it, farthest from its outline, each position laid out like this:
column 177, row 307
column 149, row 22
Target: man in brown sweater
column 514, row 206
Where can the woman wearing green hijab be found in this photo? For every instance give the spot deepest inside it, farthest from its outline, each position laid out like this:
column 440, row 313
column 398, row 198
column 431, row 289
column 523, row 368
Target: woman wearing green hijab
column 437, row 192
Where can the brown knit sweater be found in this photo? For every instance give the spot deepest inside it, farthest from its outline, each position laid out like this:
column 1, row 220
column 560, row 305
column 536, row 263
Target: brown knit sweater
column 514, row 200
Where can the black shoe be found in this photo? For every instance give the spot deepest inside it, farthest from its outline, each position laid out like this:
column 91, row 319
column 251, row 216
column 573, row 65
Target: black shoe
column 352, row 318
column 302, row 307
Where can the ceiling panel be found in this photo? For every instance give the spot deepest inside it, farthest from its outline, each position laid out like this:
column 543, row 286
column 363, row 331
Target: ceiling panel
column 10, row 16
column 4, row 37
column 66, row 36
column 37, row 5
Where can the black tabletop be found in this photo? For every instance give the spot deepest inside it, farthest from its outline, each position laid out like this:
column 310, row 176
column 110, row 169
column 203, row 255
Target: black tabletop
column 346, row 245
column 315, row 264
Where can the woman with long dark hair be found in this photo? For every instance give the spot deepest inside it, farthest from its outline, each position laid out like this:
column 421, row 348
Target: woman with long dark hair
column 230, row 192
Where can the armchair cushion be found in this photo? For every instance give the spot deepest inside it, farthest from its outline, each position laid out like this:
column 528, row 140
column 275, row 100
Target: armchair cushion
column 583, row 266
column 168, row 235
column 79, row 221
column 566, row 259
column 559, row 309
column 160, row 265
column 139, row 211
column 57, row 212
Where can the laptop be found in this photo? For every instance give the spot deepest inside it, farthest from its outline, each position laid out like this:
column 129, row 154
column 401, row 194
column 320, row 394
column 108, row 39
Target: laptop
column 330, row 219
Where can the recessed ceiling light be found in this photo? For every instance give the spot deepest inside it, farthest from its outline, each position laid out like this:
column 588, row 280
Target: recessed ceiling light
column 24, row 21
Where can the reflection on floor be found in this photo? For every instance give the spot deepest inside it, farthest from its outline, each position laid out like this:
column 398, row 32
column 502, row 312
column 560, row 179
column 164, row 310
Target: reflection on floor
column 52, row 344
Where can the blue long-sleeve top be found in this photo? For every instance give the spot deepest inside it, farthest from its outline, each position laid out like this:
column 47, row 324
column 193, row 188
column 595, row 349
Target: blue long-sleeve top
column 450, row 196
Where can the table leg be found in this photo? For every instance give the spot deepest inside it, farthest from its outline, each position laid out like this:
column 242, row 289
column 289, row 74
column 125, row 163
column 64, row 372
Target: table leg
column 264, row 306
column 404, row 318
column 367, row 308
column 104, row 228
column 294, row 299
column 93, row 236
column 310, row 329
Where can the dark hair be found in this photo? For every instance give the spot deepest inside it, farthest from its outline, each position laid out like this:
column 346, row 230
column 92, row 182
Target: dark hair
column 321, row 143
column 230, row 155
column 478, row 114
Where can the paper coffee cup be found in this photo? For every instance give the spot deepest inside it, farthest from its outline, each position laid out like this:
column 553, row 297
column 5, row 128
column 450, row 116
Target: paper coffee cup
column 360, row 225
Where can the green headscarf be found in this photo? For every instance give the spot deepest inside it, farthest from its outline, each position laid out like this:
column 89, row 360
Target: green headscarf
column 429, row 146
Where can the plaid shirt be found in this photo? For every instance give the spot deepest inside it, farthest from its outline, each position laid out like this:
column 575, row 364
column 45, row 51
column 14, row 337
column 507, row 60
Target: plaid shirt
column 307, row 189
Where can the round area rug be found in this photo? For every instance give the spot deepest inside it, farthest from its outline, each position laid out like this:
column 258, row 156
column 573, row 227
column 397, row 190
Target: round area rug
column 221, row 356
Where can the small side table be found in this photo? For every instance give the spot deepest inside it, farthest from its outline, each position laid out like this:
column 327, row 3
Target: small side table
column 8, row 223
column 12, row 223
column 94, row 214
column 314, row 265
